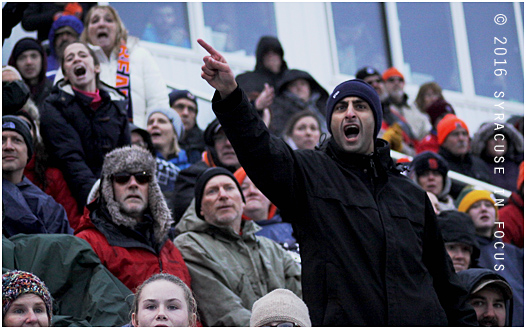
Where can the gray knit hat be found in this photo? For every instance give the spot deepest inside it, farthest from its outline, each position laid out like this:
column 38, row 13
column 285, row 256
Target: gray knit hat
column 174, row 118
column 280, row 305
column 134, row 159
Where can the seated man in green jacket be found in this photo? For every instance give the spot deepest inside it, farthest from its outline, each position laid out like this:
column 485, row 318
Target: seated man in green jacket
column 230, row 266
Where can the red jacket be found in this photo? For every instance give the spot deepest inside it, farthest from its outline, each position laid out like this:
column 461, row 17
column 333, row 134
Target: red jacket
column 512, row 215
column 428, row 143
column 125, row 254
column 58, row 189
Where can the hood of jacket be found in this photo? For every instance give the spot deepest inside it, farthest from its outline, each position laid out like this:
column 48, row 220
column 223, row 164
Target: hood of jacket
column 488, row 129
column 470, row 277
column 266, row 44
column 291, row 75
column 66, row 20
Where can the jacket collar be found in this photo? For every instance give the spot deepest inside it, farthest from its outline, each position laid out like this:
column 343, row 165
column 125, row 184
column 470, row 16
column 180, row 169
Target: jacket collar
column 380, row 159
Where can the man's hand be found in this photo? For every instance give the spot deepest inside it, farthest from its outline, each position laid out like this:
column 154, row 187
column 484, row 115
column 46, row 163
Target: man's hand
column 265, row 99
column 216, row 71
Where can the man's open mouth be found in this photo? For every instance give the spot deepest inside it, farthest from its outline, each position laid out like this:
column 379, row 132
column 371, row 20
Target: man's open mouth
column 351, row 131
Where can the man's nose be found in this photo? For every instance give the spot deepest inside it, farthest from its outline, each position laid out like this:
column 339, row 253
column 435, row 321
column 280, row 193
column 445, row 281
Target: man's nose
column 490, row 311
column 350, row 113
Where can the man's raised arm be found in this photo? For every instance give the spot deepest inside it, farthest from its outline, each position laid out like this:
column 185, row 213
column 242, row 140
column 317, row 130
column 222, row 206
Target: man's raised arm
column 216, row 71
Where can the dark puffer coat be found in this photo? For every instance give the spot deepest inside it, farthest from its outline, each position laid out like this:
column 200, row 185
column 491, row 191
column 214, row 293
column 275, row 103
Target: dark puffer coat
column 371, row 251
column 78, row 137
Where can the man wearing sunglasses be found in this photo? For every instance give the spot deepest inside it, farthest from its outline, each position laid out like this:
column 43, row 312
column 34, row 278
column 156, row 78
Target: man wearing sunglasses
column 127, row 224
column 398, row 99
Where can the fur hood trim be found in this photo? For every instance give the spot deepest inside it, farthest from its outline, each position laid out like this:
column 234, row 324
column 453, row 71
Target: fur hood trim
column 132, row 159
column 487, row 131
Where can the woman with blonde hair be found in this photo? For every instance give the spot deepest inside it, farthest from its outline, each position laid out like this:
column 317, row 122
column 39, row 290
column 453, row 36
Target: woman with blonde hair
column 124, row 63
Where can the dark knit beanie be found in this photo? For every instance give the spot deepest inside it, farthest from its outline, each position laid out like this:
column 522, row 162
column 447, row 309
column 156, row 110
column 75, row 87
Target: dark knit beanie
column 13, row 123
column 26, row 44
column 429, row 161
column 457, row 226
column 367, row 72
column 438, row 108
column 178, row 94
column 210, row 131
column 29, row 44
column 203, row 178
column 358, row 88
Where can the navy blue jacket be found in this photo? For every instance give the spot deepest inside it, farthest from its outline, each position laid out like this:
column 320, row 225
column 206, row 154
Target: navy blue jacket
column 511, row 267
column 27, row 209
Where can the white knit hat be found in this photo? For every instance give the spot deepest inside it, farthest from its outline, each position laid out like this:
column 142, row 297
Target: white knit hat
column 280, row 305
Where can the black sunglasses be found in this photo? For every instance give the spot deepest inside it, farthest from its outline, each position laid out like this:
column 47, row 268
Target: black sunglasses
column 123, row 177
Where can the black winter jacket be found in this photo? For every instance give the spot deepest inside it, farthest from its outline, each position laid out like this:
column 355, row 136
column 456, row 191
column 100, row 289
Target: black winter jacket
column 287, row 104
column 253, row 82
column 78, row 137
column 371, row 251
column 469, row 165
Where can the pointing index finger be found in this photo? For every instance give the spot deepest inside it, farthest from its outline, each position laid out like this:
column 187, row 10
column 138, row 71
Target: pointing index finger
column 207, row 47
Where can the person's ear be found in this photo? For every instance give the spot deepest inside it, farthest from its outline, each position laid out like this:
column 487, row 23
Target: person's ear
column 134, row 320
column 97, row 68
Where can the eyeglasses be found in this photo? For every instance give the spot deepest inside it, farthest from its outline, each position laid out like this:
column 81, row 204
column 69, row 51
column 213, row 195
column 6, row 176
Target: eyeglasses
column 372, row 81
column 123, row 177
column 395, row 79
column 281, row 324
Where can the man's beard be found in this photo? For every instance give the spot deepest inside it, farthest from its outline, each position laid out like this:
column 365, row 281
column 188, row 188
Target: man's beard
column 489, row 322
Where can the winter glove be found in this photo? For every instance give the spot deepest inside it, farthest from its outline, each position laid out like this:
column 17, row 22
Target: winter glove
column 394, row 135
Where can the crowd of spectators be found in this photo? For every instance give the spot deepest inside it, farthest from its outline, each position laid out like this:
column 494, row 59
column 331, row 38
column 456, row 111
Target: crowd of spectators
column 263, row 219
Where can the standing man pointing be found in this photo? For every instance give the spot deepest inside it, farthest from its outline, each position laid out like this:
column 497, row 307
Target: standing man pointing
column 371, row 252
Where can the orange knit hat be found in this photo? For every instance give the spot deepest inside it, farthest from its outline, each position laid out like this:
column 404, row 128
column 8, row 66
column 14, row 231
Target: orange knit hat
column 392, row 72
column 449, row 123
column 240, row 175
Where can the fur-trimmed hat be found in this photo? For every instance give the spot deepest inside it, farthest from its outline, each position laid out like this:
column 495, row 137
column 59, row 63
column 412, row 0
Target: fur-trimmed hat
column 14, row 123
column 174, row 118
column 358, row 88
column 134, row 159
column 17, row 283
column 203, row 178
column 280, row 305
